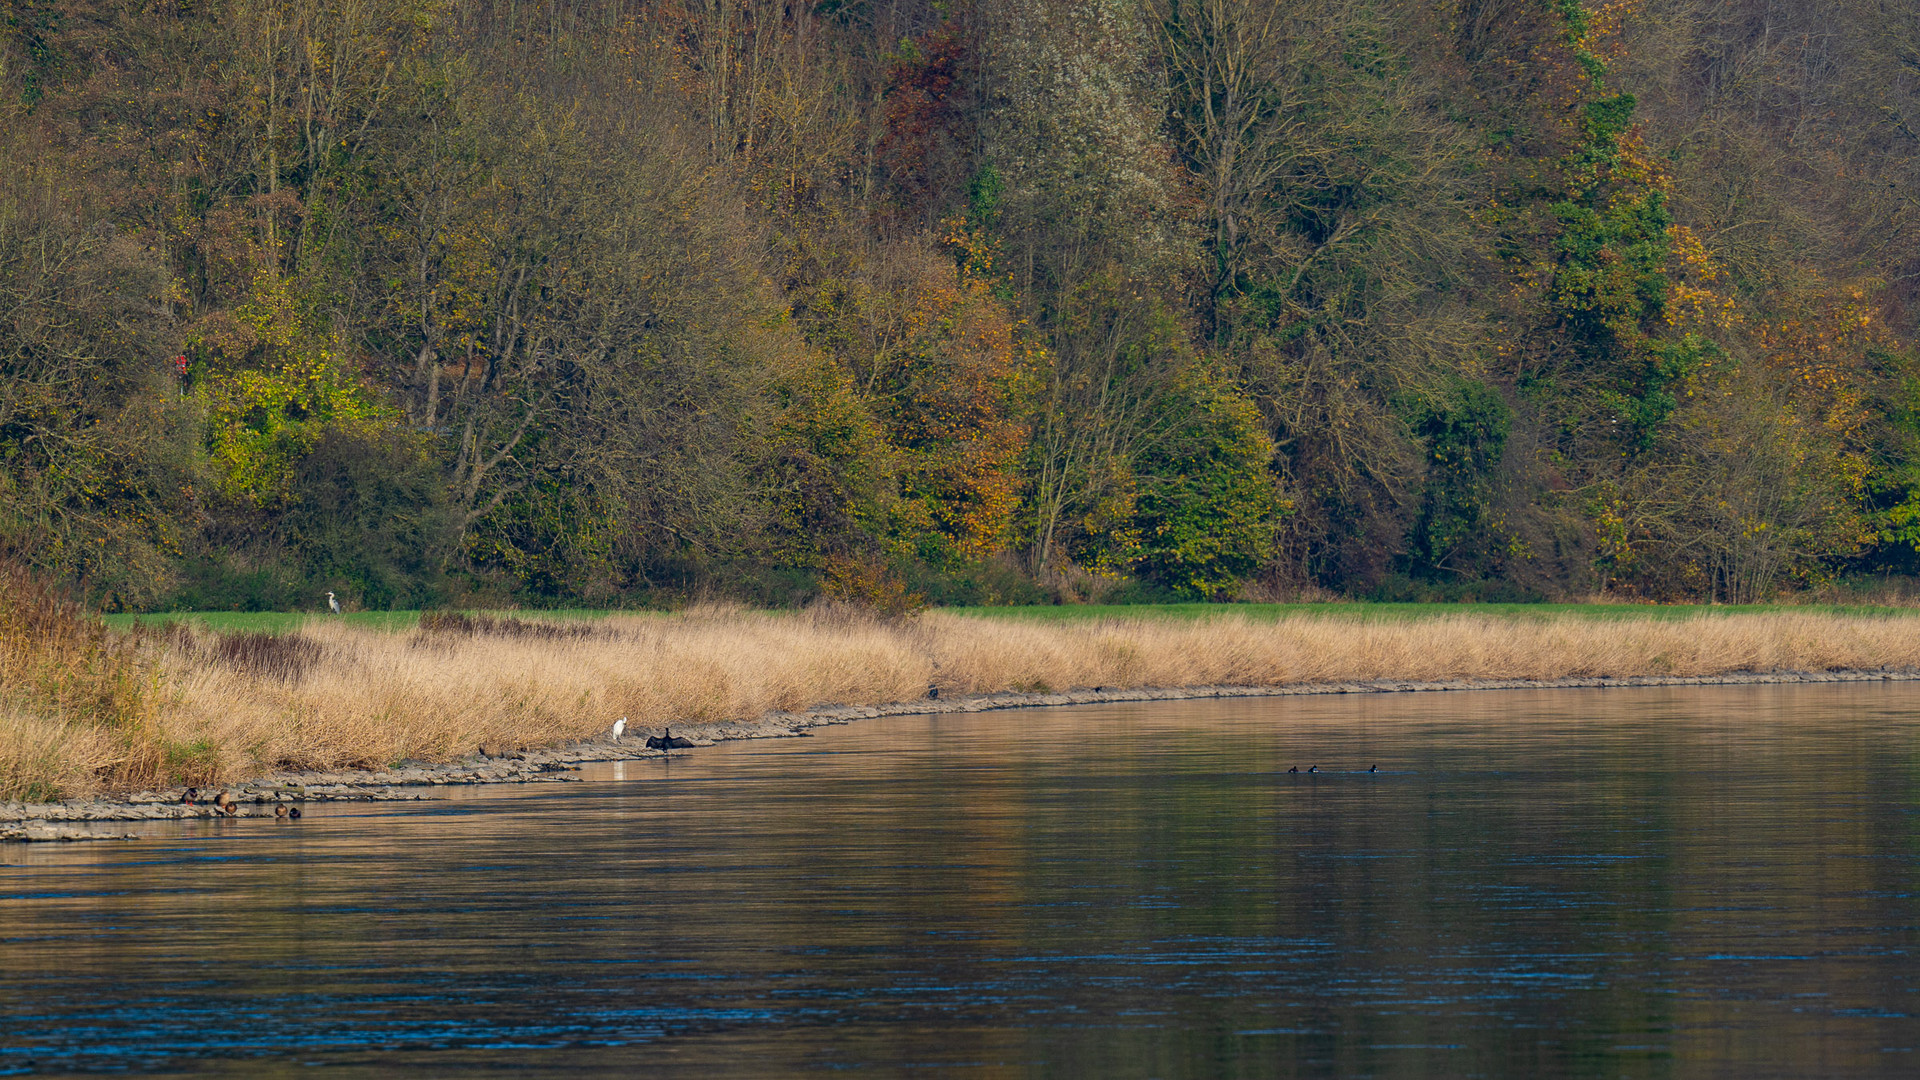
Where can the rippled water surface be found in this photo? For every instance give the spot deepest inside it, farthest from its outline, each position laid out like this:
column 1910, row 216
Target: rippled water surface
column 1650, row 882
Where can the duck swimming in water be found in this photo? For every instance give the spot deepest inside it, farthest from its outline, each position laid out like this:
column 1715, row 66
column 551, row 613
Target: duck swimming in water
column 1295, row 769
column 666, row 741
column 294, row 813
column 280, row 811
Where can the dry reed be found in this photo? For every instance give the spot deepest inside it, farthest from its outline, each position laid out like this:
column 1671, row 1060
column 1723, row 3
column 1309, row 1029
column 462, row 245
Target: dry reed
column 334, row 696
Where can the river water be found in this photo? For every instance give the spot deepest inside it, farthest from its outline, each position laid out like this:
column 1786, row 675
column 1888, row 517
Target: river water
column 1621, row 882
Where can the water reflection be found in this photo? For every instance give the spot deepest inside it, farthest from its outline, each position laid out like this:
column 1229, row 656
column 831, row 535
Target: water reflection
column 1644, row 882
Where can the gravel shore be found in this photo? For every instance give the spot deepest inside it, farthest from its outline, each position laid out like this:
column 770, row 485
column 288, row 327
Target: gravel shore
column 80, row 819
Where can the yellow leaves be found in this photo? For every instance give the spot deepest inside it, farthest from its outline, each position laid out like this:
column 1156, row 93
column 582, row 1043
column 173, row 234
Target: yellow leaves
column 1687, row 304
column 1604, row 25
column 1636, row 164
column 1692, row 254
column 268, row 404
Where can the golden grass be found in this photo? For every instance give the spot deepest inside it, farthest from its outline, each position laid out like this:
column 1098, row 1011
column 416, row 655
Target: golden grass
column 45, row 759
column 338, row 696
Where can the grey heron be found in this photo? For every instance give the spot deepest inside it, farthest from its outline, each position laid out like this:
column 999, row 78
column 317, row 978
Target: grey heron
column 332, row 604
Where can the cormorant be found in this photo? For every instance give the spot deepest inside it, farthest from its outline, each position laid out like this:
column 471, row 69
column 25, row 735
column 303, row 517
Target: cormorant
column 667, row 741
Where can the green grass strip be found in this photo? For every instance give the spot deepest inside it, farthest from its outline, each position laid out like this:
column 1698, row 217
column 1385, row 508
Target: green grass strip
column 282, row 622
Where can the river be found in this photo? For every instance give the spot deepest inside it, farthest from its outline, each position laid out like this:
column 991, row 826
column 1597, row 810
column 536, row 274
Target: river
column 1696, row 881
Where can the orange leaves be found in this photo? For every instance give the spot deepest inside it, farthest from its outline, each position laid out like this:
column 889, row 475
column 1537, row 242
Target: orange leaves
column 1821, row 350
column 1634, row 165
column 1694, row 298
column 953, row 384
column 933, row 363
column 1604, row 25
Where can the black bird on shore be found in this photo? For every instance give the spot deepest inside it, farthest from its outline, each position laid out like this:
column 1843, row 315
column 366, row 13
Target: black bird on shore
column 667, row 741
column 933, row 692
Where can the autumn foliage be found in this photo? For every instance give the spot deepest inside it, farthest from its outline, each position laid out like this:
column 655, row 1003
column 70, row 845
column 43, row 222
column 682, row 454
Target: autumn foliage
column 636, row 301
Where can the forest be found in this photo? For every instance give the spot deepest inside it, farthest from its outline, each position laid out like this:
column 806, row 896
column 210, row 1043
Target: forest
column 627, row 303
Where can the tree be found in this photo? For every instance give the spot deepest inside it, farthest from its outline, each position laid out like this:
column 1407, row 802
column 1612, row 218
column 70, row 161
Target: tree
column 1341, row 263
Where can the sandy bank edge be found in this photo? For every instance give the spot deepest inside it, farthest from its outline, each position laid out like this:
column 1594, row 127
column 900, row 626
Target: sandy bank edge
column 28, row 822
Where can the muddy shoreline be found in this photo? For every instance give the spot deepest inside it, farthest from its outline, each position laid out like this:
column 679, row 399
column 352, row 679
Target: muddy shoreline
column 81, row 819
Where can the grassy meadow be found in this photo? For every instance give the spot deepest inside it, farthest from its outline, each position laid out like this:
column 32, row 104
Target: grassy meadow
column 131, row 703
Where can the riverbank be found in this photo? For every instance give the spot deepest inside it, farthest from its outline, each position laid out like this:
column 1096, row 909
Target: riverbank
column 195, row 706
column 77, row 820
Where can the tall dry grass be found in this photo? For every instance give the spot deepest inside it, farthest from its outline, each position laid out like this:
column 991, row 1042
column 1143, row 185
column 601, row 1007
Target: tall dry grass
column 333, row 696
column 79, row 706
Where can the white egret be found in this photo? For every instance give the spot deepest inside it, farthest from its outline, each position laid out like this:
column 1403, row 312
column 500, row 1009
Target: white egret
column 619, row 728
